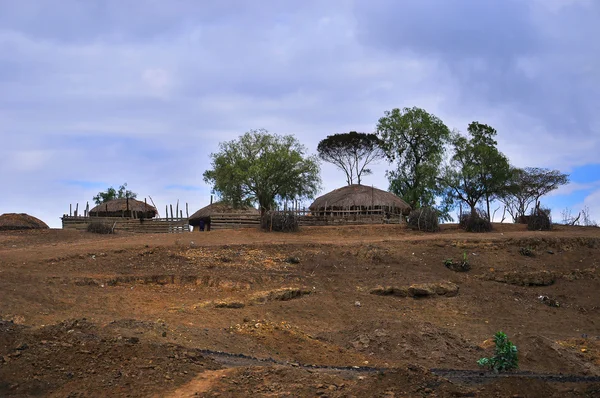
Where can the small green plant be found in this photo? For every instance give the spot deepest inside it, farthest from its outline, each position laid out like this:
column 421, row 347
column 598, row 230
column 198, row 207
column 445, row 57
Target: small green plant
column 505, row 355
column 463, row 266
column 526, row 251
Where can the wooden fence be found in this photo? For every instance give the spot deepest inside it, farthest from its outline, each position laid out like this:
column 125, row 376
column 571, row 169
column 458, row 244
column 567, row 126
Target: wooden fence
column 141, row 225
column 234, row 221
column 307, row 218
column 349, row 217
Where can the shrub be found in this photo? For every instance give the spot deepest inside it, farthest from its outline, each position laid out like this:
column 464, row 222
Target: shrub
column 279, row 221
column 477, row 222
column 505, row 355
column 540, row 220
column 424, row 219
column 99, row 228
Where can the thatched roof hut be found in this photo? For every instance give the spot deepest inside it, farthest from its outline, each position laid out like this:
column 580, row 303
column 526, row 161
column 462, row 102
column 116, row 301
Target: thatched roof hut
column 359, row 197
column 20, row 221
column 219, row 207
column 124, row 208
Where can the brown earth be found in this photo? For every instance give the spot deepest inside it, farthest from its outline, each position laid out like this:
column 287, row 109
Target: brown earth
column 360, row 311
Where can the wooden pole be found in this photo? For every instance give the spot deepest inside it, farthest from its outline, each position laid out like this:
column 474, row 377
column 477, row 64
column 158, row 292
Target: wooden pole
column 177, row 209
column 154, row 204
column 171, row 211
column 76, row 209
column 166, row 212
column 187, row 214
column 70, row 210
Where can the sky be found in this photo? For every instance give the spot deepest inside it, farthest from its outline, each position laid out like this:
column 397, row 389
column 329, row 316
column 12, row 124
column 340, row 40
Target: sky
column 95, row 93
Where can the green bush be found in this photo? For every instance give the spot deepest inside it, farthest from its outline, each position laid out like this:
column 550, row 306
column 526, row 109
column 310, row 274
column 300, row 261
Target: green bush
column 424, row 219
column 540, row 220
column 477, row 222
column 505, row 355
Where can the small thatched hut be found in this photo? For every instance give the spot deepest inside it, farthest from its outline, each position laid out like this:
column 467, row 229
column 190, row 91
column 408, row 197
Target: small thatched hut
column 124, row 208
column 20, row 221
column 205, row 213
column 359, row 197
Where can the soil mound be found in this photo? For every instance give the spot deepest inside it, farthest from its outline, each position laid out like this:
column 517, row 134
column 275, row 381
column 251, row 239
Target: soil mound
column 20, row 221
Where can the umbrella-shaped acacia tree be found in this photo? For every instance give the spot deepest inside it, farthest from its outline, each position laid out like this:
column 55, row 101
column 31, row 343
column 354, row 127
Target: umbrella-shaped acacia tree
column 261, row 168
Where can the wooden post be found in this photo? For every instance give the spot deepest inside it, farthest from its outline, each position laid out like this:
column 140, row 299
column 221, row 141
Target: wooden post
column 154, row 204
column 76, row 209
column 187, row 214
column 180, row 213
column 171, row 211
column 70, row 210
column 177, row 209
column 166, row 212
column 211, row 198
column 87, row 209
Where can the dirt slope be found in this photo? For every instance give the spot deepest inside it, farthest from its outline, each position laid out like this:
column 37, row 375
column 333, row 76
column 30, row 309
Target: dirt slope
column 149, row 315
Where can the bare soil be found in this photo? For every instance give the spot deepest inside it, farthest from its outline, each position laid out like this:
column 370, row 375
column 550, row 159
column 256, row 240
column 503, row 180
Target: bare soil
column 356, row 311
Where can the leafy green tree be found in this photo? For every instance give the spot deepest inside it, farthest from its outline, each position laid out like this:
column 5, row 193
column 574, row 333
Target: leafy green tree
column 477, row 170
column 415, row 140
column 111, row 194
column 262, row 168
column 527, row 186
column 352, row 152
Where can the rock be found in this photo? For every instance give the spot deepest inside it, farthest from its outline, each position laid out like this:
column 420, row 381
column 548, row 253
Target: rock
column 448, row 289
column 390, row 291
column 228, row 304
column 292, row 260
column 422, row 290
column 357, row 303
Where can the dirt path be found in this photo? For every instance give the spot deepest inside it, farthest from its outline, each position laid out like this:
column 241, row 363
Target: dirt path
column 202, row 383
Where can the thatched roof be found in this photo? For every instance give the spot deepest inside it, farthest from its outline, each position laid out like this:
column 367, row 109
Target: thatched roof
column 219, row 207
column 14, row 221
column 118, row 207
column 359, row 197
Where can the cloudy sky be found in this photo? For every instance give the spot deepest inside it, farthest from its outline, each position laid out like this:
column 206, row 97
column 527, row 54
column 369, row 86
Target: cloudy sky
column 95, row 93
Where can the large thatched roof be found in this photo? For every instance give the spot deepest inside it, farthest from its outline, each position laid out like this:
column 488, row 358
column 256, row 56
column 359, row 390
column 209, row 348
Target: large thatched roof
column 14, row 221
column 118, row 207
column 359, row 197
column 219, row 207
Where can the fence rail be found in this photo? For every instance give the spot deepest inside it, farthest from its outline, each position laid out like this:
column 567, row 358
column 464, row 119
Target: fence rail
column 140, row 225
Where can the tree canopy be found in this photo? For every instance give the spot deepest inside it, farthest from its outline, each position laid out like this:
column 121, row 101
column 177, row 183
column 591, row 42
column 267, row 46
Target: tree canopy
column 527, row 186
column 477, row 169
column 352, row 152
column 262, row 168
column 111, row 194
column 415, row 140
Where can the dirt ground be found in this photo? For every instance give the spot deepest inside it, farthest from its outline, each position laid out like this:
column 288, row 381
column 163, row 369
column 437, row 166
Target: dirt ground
column 356, row 311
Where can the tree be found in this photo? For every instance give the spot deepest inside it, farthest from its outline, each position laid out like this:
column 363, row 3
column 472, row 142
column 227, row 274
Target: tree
column 477, row 169
column 415, row 140
column 261, row 168
column 111, row 194
column 527, row 186
column 351, row 152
